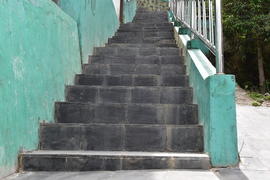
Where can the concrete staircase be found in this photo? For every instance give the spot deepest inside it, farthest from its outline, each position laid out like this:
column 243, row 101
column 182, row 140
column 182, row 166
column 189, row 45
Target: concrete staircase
column 131, row 108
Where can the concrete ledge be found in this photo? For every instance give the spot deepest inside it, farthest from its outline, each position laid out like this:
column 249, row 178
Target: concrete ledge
column 215, row 96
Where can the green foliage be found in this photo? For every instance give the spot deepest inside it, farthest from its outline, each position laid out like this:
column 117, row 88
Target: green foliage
column 246, row 24
column 256, row 104
column 244, row 18
column 267, row 98
column 258, row 98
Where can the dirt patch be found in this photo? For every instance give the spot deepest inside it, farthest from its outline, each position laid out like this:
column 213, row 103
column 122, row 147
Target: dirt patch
column 242, row 98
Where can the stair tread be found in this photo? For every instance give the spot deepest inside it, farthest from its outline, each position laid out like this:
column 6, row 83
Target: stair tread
column 145, row 104
column 129, row 87
column 129, row 75
column 154, row 59
column 121, row 124
column 115, row 153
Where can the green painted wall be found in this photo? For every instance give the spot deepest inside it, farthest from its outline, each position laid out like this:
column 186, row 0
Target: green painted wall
column 215, row 96
column 129, row 10
column 39, row 54
column 97, row 21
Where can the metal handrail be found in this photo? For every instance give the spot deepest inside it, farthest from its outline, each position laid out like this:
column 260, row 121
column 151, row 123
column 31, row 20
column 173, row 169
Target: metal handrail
column 205, row 23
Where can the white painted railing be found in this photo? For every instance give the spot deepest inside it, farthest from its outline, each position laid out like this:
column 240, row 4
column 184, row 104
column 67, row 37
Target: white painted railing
column 203, row 18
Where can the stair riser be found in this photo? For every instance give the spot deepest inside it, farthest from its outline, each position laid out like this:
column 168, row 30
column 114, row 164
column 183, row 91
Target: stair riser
column 151, row 20
column 109, row 137
column 154, row 24
column 126, row 114
column 131, row 80
column 148, row 28
column 103, row 163
column 159, row 44
column 123, row 69
column 132, row 51
column 140, row 45
column 152, row 95
column 142, row 38
column 145, row 34
column 159, row 60
column 138, row 29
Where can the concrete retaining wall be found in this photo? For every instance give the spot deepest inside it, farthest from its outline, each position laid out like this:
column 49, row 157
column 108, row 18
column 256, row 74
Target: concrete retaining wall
column 130, row 7
column 97, row 21
column 215, row 96
column 39, row 54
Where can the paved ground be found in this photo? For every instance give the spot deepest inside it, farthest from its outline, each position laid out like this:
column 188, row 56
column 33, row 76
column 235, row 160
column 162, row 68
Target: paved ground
column 122, row 175
column 254, row 147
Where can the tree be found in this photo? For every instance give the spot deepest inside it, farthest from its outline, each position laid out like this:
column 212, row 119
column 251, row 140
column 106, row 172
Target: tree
column 245, row 19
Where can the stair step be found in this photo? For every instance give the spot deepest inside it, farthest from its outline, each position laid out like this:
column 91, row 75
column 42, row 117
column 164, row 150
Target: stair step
column 131, row 80
column 146, row 34
column 158, row 42
column 141, row 28
column 110, row 160
column 163, row 43
column 152, row 59
column 134, row 36
column 121, row 137
column 117, row 94
column 143, row 69
column 134, row 51
column 74, row 112
column 152, row 24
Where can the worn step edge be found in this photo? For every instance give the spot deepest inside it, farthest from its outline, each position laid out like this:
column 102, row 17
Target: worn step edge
column 66, row 112
column 129, row 87
column 136, row 69
column 132, row 80
column 116, row 153
column 136, row 60
column 69, row 161
column 51, row 124
column 144, row 104
column 110, row 160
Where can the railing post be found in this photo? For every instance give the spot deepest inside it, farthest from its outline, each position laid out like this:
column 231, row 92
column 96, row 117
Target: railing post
column 219, row 39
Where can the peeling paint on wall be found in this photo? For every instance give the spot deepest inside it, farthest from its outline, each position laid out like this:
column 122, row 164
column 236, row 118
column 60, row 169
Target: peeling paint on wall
column 18, row 69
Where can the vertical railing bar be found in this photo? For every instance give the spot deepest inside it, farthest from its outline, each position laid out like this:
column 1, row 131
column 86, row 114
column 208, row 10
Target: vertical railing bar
column 204, row 20
column 199, row 17
column 210, row 20
column 212, row 24
column 188, row 13
column 219, row 39
column 192, row 15
column 195, row 16
column 184, row 11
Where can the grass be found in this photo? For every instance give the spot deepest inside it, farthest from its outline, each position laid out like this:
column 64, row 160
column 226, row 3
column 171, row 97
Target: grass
column 259, row 98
